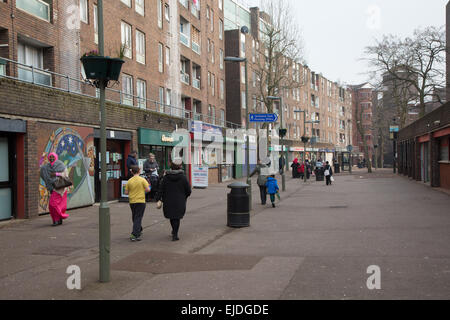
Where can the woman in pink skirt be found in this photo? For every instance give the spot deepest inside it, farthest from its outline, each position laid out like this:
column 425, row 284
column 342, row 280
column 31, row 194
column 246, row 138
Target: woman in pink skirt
column 58, row 197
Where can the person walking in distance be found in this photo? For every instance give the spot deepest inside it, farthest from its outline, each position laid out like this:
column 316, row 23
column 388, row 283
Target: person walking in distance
column 173, row 192
column 328, row 173
column 136, row 188
column 262, row 178
column 131, row 161
column 151, row 171
column 272, row 188
column 295, row 169
column 49, row 172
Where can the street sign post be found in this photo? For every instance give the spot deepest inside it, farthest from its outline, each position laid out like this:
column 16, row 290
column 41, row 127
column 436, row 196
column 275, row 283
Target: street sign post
column 263, row 117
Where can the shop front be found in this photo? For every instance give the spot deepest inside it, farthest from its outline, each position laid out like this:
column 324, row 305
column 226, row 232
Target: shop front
column 118, row 146
column 160, row 143
column 12, row 179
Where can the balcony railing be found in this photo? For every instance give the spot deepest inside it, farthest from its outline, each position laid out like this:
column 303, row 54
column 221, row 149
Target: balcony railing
column 184, row 39
column 195, row 47
column 196, row 83
column 184, row 77
column 35, row 7
column 44, row 78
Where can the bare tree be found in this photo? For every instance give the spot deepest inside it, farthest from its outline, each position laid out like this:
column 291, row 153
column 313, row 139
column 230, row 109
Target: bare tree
column 414, row 62
column 280, row 50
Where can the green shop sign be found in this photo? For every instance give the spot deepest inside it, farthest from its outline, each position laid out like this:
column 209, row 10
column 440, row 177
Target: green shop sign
column 156, row 138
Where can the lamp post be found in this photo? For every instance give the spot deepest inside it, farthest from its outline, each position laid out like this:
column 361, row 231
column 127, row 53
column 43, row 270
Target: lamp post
column 304, row 139
column 104, row 214
column 283, row 177
column 247, row 142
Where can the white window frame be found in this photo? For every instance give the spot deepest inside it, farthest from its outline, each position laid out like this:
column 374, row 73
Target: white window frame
column 222, row 89
column 95, row 24
column 160, row 13
column 160, row 57
column 127, row 89
column 167, row 56
column 84, row 11
column 126, row 36
column 220, row 5
column 139, row 6
column 220, row 29
column 141, row 93
column 161, row 99
column 221, row 57
column 140, row 47
column 167, row 12
column 126, row 2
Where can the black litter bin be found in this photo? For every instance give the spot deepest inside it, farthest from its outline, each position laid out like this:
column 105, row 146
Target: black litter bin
column 336, row 168
column 320, row 173
column 238, row 205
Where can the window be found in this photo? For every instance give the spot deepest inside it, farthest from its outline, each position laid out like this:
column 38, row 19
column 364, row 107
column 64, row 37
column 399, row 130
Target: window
column 185, row 33
column 84, row 11
column 37, row 8
column 243, row 74
column 222, row 117
column 140, row 47
column 167, row 56
column 127, row 89
column 222, row 89
column 160, row 58
column 167, row 12
column 220, row 29
column 160, row 14
column 212, row 20
column 126, row 39
column 32, row 56
column 140, row 7
column 212, row 52
column 243, row 100
column 141, row 93
column 169, row 98
column 95, row 24
column 221, row 59
column 161, row 99
column 220, row 4
column 213, row 84
column 242, row 51
column 126, row 2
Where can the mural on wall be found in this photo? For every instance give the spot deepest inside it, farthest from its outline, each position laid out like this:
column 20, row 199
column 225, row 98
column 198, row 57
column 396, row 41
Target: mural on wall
column 75, row 147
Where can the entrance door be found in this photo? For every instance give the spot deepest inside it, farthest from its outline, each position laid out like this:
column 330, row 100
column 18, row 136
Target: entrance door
column 6, row 183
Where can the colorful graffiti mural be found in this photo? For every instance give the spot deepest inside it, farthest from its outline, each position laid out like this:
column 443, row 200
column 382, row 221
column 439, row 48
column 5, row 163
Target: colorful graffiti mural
column 75, row 147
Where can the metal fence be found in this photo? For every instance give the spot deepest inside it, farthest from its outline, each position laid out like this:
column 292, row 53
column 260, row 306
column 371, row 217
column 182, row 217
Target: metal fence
column 42, row 77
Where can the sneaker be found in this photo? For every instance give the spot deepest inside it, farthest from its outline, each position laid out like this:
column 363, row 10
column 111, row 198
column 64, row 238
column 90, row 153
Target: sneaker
column 273, row 204
column 134, row 238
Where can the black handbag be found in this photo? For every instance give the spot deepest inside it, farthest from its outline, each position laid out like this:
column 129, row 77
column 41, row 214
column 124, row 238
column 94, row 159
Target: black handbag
column 62, row 182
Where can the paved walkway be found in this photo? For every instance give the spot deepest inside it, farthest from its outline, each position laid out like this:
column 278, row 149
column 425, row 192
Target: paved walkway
column 317, row 244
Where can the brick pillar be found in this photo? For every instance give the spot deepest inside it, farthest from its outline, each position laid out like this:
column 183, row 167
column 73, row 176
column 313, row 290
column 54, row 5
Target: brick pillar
column 434, row 162
column 32, row 176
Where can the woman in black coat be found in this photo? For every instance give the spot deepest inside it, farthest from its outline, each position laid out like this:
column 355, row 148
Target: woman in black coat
column 173, row 192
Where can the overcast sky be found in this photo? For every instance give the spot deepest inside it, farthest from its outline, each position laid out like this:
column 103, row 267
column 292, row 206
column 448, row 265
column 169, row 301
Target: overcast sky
column 335, row 32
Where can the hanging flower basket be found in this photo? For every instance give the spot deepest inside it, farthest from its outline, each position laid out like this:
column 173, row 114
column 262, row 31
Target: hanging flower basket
column 99, row 67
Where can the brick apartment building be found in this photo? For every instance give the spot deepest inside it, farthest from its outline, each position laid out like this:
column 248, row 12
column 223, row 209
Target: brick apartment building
column 321, row 98
column 363, row 118
column 173, row 74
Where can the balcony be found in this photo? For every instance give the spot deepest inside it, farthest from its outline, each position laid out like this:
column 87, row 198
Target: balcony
column 37, row 8
column 184, row 39
column 184, row 77
column 34, row 76
column 196, row 83
column 195, row 47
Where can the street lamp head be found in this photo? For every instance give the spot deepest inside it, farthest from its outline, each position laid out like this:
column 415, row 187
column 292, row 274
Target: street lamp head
column 234, row 59
column 244, row 30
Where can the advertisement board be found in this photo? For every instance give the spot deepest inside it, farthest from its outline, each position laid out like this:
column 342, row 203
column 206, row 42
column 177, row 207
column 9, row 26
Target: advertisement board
column 199, row 176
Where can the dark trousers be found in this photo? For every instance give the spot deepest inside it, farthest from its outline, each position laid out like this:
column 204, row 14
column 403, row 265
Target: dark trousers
column 263, row 194
column 272, row 197
column 137, row 213
column 175, row 223
column 328, row 178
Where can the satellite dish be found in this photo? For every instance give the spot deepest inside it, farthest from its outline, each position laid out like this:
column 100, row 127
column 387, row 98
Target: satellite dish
column 244, row 29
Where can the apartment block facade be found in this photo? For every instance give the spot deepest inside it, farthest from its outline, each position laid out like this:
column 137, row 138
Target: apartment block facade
column 321, row 99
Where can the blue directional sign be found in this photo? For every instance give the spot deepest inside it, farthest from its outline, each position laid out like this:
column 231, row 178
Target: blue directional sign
column 263, row 117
